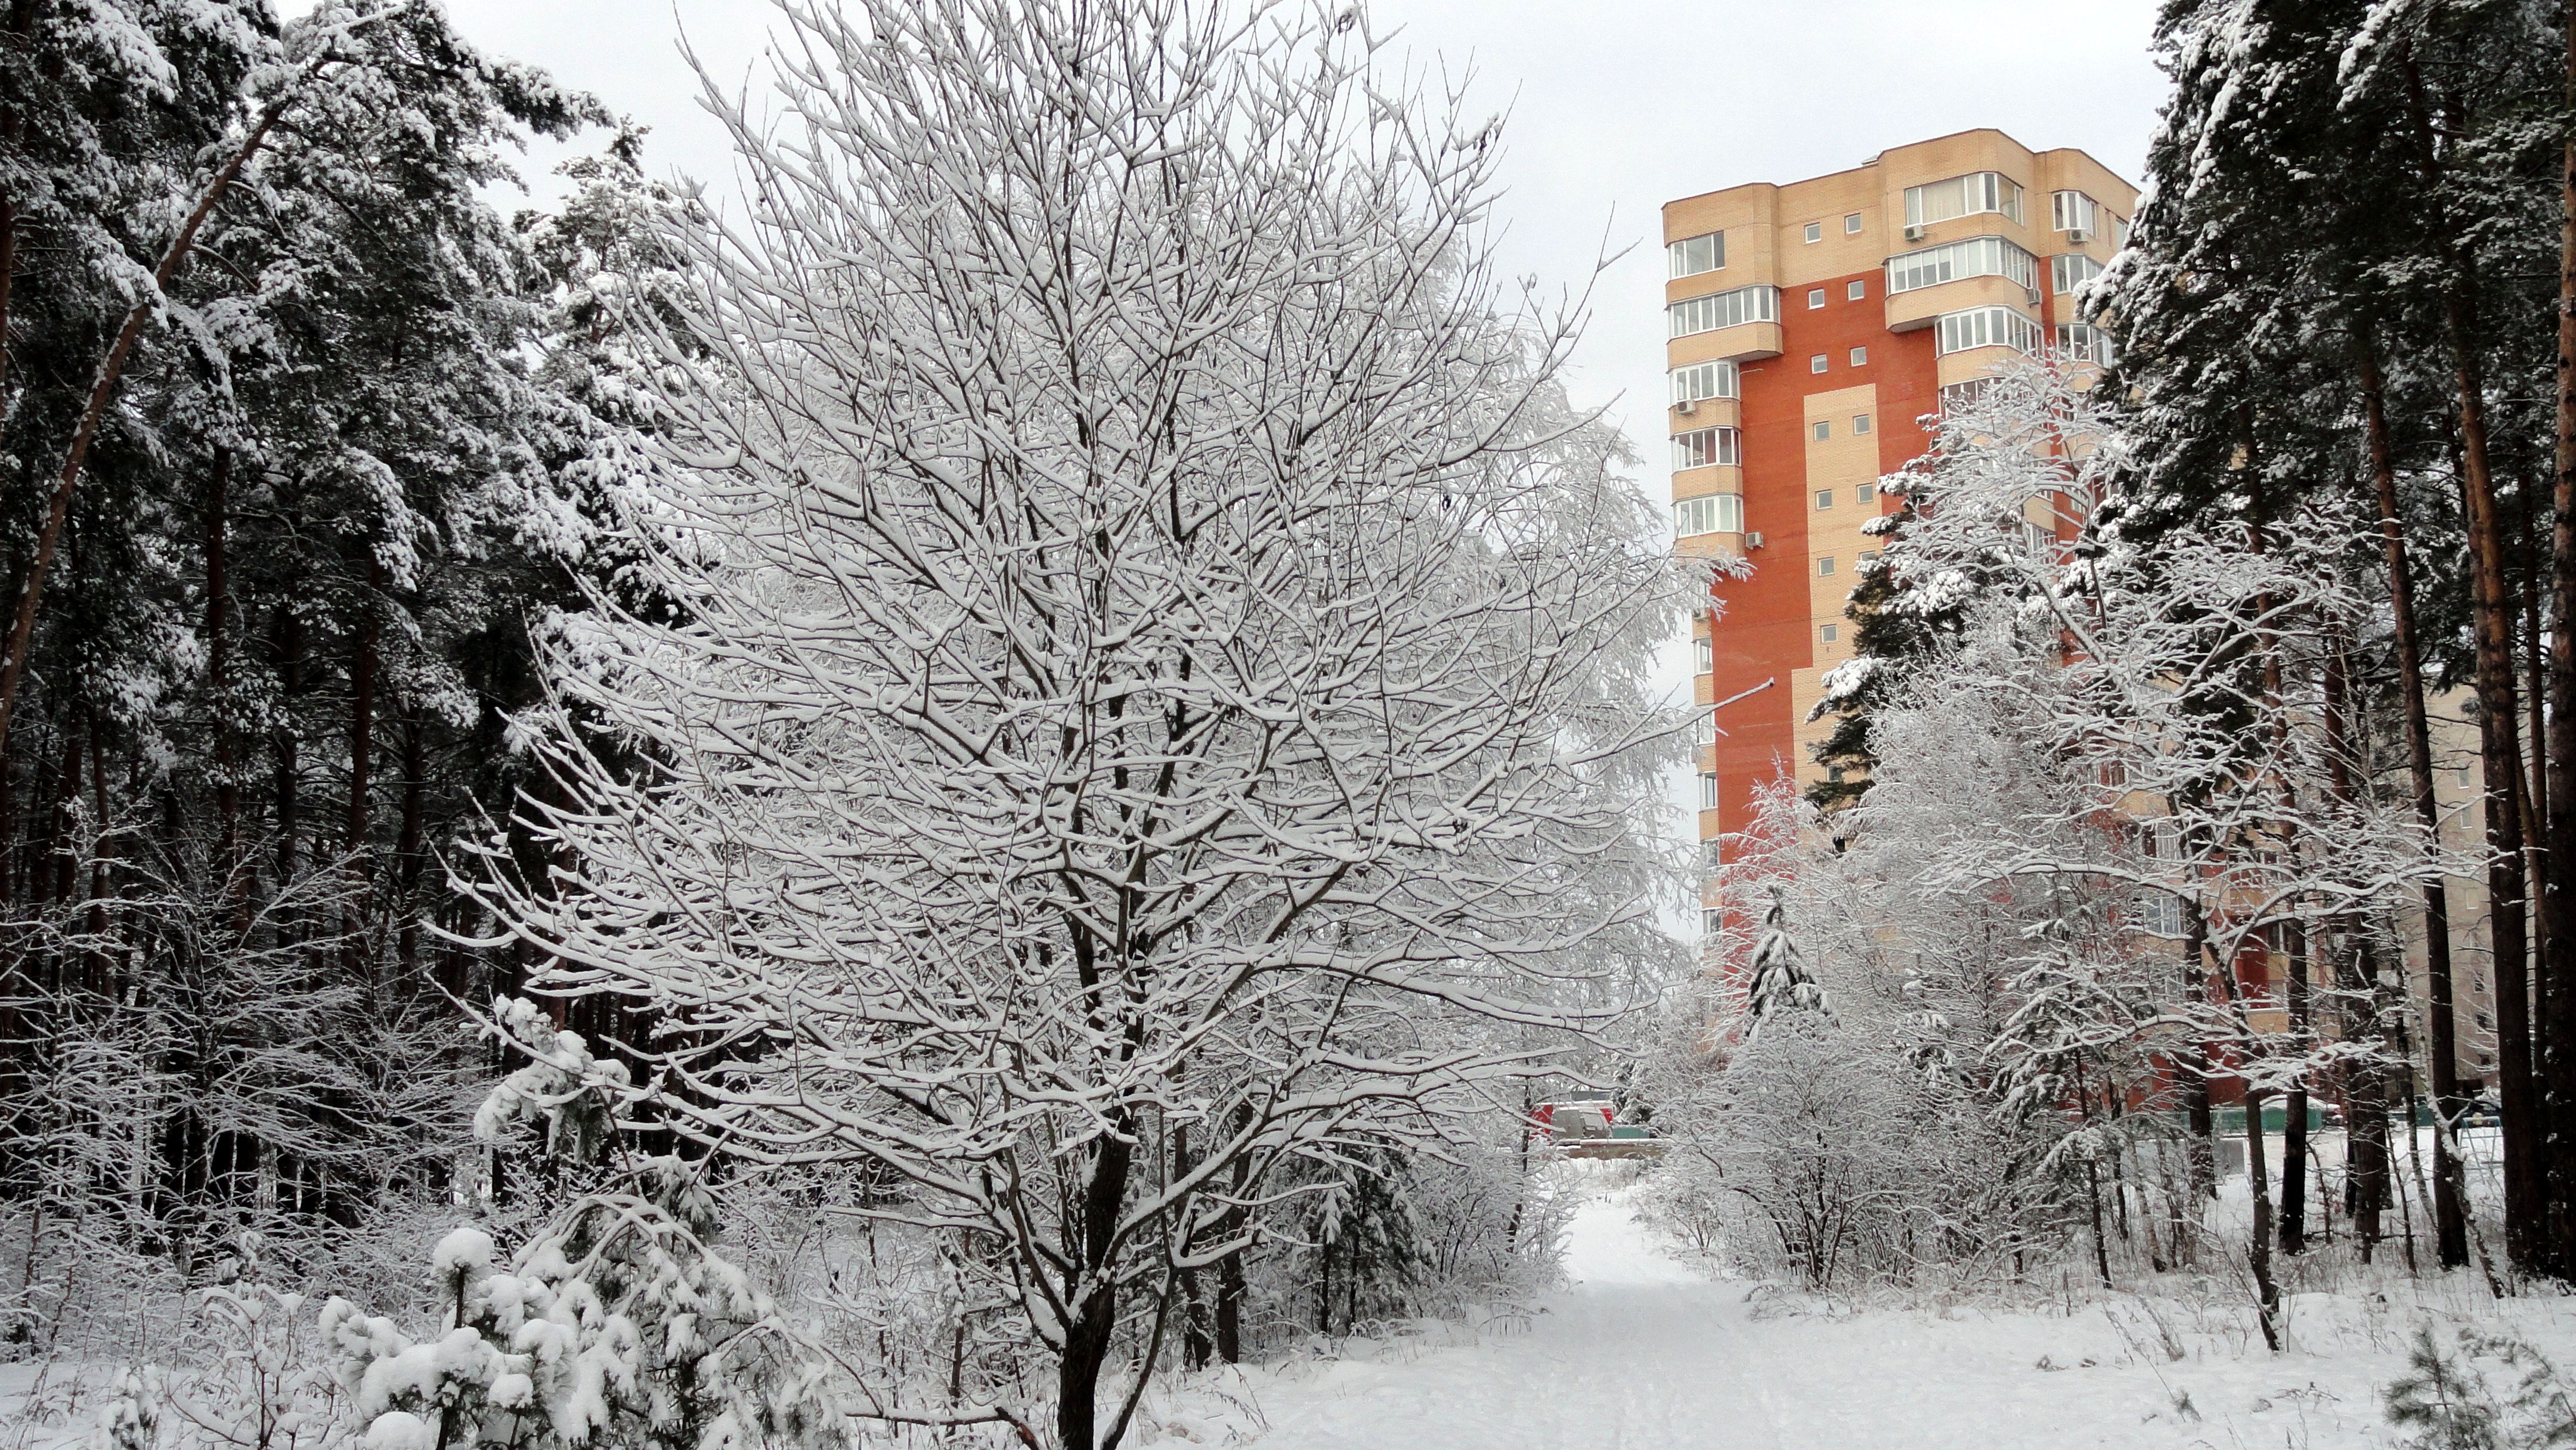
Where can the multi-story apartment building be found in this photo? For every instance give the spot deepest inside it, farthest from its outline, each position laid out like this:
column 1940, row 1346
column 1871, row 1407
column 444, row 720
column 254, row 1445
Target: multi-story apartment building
column 1812, row 326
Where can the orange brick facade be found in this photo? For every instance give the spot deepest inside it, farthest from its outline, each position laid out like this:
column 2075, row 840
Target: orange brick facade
column 1799, row 427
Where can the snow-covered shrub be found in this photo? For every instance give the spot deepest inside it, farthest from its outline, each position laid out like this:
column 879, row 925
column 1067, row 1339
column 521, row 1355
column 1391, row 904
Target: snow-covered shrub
column 616, row 1324
column 617, row 1327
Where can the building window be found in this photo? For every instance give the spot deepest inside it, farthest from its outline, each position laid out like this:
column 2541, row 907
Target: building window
column 1693, row 255
column 1974, row 257
column 1724, row 309
column 1851, row 225
column 1708, row 790
column 1860, row 424
column 2082, row 342
column 1703, row 655
column 1827, row 633
column 1987, row 327
column 1816, row 364
column 1815, row 298
column 1864, row 493
column 1824, row 565
column 1702, row 447
column 2119, row 232
column 1815, row 231
column 1962, row 196
column 1855, row 291
column 1821, row 429
column 2071, row 271
column 2073, row 211
column 1868, row 557
column 1702, row 381
column 1704, row 729
column 1956, row 396
column 1710, row 513
column 1824, row 498
column 1860, row 357
column 1712, row 919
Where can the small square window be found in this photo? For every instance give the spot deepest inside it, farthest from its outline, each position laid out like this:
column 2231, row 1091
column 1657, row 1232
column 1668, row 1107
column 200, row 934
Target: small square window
column 1826, row 633
column 1860, row 357
column 1868, row 555
column 1815, row 298
column 1864, row 492
column 1860, row 424
column 1851, row 225
column 1816, row 364
column 1855, row 291
column 1815, row 231
column 1825, row 565
column 1821, row 429
column 1824, row 498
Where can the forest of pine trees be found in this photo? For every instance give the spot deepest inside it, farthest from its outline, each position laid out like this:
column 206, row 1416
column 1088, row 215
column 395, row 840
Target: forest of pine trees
column 299, row 436
column 2347, row 318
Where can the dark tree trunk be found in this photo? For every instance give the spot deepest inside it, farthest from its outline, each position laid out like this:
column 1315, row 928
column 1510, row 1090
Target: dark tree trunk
column 1094, row 1297
column 409, row 857
column 219, row 690
column 2294, row 1103
column 2258, row 1250
column 362, row 751
column 2202, row 1150
column 2559, row 901
column 285, row 744
column 2450, row 1221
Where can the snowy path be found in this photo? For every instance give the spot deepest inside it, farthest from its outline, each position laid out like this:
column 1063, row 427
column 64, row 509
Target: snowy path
column 1640, row 1353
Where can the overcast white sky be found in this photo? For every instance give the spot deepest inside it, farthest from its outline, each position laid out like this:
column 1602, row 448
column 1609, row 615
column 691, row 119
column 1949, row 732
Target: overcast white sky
column 1616, row 107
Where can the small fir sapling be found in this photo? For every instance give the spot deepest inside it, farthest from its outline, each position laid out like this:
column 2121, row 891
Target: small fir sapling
column 1780, row 979
column 618, row 1324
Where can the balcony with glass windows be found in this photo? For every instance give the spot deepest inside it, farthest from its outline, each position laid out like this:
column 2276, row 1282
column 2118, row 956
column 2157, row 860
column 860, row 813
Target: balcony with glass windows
column 1975, row 342
column 1704, row 395
column 1987, row 271
column 1709, row 522
column 1741, row 324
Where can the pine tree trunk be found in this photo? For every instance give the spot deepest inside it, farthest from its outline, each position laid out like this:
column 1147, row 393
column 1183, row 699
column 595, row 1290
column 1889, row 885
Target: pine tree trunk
column 2559, row 903
column 408, row 855
column 2294, row 1103
column 2194, row 1064
column 2500, row 753
column 219, row 683
column 2499, row 732
column 288, row 791
column 2258, row 1250
column 2450, row 1222
column 362, row 750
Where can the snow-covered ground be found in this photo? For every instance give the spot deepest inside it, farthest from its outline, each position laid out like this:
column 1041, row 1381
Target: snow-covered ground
column 1640, row 1352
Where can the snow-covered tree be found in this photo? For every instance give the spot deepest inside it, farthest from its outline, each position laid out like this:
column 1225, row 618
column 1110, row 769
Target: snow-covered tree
column 1162, row 666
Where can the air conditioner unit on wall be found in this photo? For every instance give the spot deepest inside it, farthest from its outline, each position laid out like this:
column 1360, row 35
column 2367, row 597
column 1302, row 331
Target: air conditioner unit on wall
column 2078, row 235
column 1686, row 406
column 1914, row 233
column 1753, row 540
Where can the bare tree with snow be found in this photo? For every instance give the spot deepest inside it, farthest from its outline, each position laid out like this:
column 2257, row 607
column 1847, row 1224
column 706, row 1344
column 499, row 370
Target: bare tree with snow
column 1162, row 667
